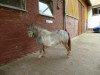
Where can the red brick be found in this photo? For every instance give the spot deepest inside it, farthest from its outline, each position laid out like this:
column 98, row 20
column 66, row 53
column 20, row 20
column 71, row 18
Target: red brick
column 72, row 26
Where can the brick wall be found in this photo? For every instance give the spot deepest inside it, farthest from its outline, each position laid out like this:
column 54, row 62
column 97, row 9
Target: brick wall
column 14, row 42
column 72, row 26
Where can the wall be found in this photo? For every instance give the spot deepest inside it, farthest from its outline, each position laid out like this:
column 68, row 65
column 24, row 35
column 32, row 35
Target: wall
column 14, row 42
column 95, row 2
column 93, row 21
column 72, row 8
column 74, row 20
column 73, row 11
column 72, row 16
column 72, row 26
column 86, row 9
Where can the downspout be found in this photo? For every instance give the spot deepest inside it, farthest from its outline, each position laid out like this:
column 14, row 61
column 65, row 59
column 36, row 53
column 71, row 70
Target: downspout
column 64, row 14
column 64, row 21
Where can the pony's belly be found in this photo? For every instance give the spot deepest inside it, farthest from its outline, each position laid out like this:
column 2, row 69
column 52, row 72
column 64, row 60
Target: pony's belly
column 50, row 41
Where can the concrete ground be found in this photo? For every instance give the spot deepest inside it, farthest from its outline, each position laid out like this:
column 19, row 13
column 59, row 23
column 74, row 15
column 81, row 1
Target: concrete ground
column 84, row 59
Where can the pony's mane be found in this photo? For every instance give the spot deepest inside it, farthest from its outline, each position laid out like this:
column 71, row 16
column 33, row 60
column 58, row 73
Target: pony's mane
column 40, row 29
column 37, row 27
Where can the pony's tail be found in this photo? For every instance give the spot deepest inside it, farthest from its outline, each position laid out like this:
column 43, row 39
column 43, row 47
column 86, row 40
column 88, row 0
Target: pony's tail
column 69, row 40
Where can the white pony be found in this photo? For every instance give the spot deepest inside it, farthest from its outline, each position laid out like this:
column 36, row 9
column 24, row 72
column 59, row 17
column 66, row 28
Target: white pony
column 47, row 38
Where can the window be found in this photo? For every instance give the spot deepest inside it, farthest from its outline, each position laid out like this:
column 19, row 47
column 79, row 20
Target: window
column 96, row 11
column 15, row 4
column 46, row 7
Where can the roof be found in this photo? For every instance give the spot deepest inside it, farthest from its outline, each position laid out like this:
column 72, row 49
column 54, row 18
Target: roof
column 88, row 2
column 96, row 6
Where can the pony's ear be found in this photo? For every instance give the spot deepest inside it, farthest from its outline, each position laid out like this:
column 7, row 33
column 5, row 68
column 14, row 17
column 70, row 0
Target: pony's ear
column 27, row 24
column 31, row 24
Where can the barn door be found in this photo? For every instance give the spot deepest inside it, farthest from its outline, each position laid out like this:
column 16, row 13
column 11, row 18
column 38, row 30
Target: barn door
column 83, row 19
column 81, row 24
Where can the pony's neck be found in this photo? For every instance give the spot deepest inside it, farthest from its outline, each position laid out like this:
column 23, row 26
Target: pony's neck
column 37, row 32
column 40, row 31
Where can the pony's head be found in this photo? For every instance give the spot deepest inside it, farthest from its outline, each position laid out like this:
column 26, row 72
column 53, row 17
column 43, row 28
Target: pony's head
column 32, row 31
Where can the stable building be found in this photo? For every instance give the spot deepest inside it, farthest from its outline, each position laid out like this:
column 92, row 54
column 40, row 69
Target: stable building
column 17, row 15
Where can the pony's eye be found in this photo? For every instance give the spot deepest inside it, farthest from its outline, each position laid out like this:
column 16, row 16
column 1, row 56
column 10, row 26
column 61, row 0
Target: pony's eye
column 29, row 31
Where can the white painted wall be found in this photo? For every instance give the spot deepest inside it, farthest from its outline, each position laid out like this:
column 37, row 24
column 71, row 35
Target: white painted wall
column 93, row 21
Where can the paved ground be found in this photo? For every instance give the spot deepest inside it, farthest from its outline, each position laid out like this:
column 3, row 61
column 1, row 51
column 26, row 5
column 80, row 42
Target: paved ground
column 84, row 60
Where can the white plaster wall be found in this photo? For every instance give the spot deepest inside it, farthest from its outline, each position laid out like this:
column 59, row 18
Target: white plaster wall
column 93, row 20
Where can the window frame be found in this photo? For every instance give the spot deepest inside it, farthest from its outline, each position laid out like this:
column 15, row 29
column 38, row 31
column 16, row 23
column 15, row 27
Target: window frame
column 94, row 12
column 52, row 11
column 14, row 7
column 97, row 11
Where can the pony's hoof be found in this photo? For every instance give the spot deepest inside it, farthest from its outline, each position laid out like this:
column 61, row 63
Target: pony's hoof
column 68, row 56
column 41, row 56
column 35, row 51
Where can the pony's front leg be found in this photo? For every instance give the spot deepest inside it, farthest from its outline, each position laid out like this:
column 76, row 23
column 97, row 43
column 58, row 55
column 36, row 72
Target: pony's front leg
column 42, row 52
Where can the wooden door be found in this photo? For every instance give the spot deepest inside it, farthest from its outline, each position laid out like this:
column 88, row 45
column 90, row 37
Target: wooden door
column 81, row 24
column 83, row 19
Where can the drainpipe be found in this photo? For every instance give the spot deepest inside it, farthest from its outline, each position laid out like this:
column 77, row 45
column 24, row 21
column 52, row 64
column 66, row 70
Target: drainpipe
column 64, row 14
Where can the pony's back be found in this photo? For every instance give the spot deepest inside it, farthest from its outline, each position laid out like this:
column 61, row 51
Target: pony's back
column 63, row 35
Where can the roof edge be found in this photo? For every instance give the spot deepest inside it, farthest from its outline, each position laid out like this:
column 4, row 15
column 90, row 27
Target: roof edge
column 88, row 2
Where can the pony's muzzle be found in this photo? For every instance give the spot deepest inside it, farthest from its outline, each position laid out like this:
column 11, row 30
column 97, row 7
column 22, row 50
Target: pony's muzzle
column 30, row 33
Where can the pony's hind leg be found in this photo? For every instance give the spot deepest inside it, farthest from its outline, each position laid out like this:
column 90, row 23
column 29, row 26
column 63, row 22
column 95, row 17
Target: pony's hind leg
column 68, row 49
column 42, row 52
